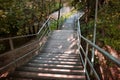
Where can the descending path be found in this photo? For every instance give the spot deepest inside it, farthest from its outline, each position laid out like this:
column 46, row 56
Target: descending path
column 70, row 22
column 63, row 11
column 58, row 59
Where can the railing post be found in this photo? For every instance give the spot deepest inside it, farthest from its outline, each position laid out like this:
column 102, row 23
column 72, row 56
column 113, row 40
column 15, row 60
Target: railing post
column 87, row 45
column 12, row 48
column 94, row 35
column 74, row 22
column 11, row 44
column 59, row 15
column 48, row 24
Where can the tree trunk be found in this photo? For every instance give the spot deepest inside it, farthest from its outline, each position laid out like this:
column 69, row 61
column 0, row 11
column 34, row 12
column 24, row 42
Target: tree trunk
column 58, row 15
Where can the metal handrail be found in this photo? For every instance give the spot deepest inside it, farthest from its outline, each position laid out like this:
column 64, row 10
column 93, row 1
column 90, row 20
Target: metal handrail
column 105, row 53
column 13, row 62
column 29, row 35
column 43, row 25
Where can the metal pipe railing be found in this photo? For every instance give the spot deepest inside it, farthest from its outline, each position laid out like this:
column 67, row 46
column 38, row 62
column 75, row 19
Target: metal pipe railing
column 94, row 34
column 29, row 35
column 82, row 60
column 42, row 32
column 90, row 63
column 113, row 59
column 13, row 62
column 85, row 59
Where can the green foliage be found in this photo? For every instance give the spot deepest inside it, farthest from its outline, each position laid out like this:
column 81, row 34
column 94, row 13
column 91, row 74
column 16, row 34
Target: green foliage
column 22, row 17
column 78, row 4
column 87, row 30
column 108, row 24
column 17, row 17
column 53, row 24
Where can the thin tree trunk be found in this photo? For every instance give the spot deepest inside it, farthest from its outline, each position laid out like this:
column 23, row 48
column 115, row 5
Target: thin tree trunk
column 58, row 15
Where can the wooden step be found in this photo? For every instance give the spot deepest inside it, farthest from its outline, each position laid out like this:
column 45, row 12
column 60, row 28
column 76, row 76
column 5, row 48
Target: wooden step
column 58, row 60
column 47, row 76
column 51, row 70
column 55, row 62
column 59, row 66
column 59, row 55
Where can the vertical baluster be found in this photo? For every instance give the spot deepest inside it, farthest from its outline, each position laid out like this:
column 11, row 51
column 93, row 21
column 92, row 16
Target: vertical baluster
column 47, row 27
column 87, row 45
column 85, row 66
column 11, row 44
column 12, row 48
column 74, row 22
column 94, row 34
column 48, row 24
column 55, row 24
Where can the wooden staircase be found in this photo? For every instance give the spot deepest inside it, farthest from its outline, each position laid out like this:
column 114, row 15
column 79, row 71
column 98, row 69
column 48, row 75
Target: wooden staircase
column 58, row 60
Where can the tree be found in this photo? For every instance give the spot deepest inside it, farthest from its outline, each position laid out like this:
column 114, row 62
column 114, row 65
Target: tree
column 59, row 14
column 20, row 17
